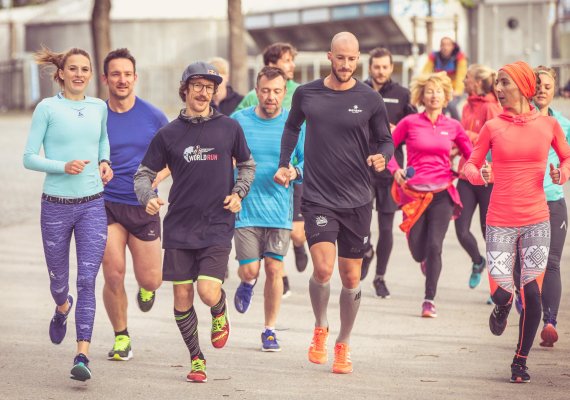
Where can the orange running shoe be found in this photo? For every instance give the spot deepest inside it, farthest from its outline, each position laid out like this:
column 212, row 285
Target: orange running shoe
column 198, row 371
column 342, row 363
column 220, row 329
column 318, row 349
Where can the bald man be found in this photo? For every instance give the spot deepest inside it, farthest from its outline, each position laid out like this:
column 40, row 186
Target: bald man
column 342, row 114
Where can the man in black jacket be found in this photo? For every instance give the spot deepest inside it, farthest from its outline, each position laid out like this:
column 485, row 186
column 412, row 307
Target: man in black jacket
column 397, row 101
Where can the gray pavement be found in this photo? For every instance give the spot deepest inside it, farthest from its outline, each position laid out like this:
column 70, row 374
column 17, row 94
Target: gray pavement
column 396, row 354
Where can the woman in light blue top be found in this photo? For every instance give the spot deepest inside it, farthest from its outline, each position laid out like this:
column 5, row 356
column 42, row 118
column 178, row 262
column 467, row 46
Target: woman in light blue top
column 552, row 285
column 72, row 128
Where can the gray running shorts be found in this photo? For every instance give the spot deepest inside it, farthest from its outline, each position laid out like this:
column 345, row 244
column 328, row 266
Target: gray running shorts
column 254, row 243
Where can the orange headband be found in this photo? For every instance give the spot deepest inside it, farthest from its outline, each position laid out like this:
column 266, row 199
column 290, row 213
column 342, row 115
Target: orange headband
column 523, row 76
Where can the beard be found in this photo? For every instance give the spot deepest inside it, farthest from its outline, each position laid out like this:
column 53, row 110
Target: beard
column 339, row 78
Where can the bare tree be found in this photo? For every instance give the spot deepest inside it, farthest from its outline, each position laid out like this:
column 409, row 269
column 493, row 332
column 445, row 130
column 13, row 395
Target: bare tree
column 101, row 35
column 238, row 51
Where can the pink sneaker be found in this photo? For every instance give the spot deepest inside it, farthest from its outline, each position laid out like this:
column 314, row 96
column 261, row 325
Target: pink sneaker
column 428, row 310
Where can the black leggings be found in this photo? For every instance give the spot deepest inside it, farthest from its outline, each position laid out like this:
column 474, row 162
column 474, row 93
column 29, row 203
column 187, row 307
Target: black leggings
column 552, row 285
column 471, row 197
column 385, row 241
column 425, row 239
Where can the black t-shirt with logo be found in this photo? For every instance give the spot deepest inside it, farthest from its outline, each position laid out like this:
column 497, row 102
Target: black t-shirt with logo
column 199, row 156
column 343, row 129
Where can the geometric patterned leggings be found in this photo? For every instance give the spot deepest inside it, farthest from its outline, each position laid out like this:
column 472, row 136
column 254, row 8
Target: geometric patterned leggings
column 88, row 223
column 531, row 243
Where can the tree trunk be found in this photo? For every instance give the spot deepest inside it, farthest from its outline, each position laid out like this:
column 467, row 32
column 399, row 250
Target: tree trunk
column 238, row 51
column 101, row 35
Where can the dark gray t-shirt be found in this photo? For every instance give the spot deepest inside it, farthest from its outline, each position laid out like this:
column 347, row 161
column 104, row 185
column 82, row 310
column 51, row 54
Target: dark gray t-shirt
column 342, row 126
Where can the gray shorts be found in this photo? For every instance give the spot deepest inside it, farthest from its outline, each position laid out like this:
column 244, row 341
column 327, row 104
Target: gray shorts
column 253, row 244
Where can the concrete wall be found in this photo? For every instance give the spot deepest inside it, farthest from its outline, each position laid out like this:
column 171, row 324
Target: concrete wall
column 528, row 38
column 162, row 49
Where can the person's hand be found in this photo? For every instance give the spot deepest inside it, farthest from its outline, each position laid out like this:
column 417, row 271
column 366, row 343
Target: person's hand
column 75, row 167
column 377, row 161
column 232, row 203
column 153, row 205
column 162, row 175
column 555, row 174
column 106, row 172
column 486, row 172
column 284, row 175
column 400, row 176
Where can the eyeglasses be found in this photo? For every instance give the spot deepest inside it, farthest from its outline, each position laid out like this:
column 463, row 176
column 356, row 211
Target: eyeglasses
column 197, row 87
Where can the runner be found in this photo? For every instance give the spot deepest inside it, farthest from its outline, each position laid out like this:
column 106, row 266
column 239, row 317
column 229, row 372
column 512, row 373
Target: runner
column 226, row 98
column 198, row 147
column 341, row 114
column 428, row 199
column 72, row 129
column 518, row 217
column 282, row 56
column 263, row 226
column 397, row 100
column 451, row 60
column 131, row 125
column 482, row 105
column 552, row 285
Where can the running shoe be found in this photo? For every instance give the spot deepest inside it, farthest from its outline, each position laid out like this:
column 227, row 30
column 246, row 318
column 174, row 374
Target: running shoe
column 220, row 329
column 301, row 257
column 423, row 267
column 498, row 319
column 476, row 271
column 428, row 310
column 121, row 349
column 242, row 298
column 342, row 363
column 549, row 335
column 145, row 299
column 318, row 348
column 286, row 288
column 269, row 341
column 518, row 301
column 197, row 371
column 519, row 373
column 58, row 323
column 366, row 261
column 381, row 288
column 80, row 370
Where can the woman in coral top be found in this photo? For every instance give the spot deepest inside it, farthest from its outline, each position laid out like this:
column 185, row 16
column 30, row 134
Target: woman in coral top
column 428, row 199
column 518, row 217
column 482, row 105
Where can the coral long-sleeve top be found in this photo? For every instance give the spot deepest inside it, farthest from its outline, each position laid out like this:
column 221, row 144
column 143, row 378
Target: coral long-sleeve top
column 519, row 146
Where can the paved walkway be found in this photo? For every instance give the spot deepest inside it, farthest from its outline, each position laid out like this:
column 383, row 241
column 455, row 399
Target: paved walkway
column 396, row 354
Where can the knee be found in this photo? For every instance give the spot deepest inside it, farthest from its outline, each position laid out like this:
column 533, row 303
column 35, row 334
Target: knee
column 350, row 280
column 151, row 284
column 322, row 274
column 247, row 273
column 209, row 295
column 114, row 278
column 274, row 272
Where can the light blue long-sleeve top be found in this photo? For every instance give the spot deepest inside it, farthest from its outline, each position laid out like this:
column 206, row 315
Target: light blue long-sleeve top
column 553, row 191
column 267, row 205
column 68, row 130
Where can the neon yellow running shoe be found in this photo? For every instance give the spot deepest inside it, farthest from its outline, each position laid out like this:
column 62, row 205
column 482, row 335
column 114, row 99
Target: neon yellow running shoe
column 122, row 349
column 145, row 299
column 220, row 329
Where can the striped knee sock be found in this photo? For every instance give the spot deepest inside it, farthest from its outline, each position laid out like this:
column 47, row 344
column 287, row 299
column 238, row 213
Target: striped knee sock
column 187, row 322
column 220, row 307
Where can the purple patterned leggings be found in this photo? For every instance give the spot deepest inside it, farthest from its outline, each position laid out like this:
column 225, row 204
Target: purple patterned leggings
column 88, row 222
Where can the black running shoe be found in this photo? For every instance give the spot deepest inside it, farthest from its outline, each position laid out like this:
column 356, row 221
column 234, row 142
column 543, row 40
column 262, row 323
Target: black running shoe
column 286, row 288
column 381, row 288
column 519, row 373
column 498, row 319
column 145, row 299
column 366, row 260
column 301, row 258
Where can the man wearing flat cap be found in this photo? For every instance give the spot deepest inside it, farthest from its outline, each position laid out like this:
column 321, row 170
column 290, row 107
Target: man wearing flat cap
column 198, row 147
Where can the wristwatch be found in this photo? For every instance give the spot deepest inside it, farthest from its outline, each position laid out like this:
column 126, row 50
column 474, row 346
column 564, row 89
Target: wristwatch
column 106, row 161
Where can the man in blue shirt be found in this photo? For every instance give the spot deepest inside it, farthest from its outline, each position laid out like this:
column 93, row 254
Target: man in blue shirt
column 263, row 226
column 131, row 125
